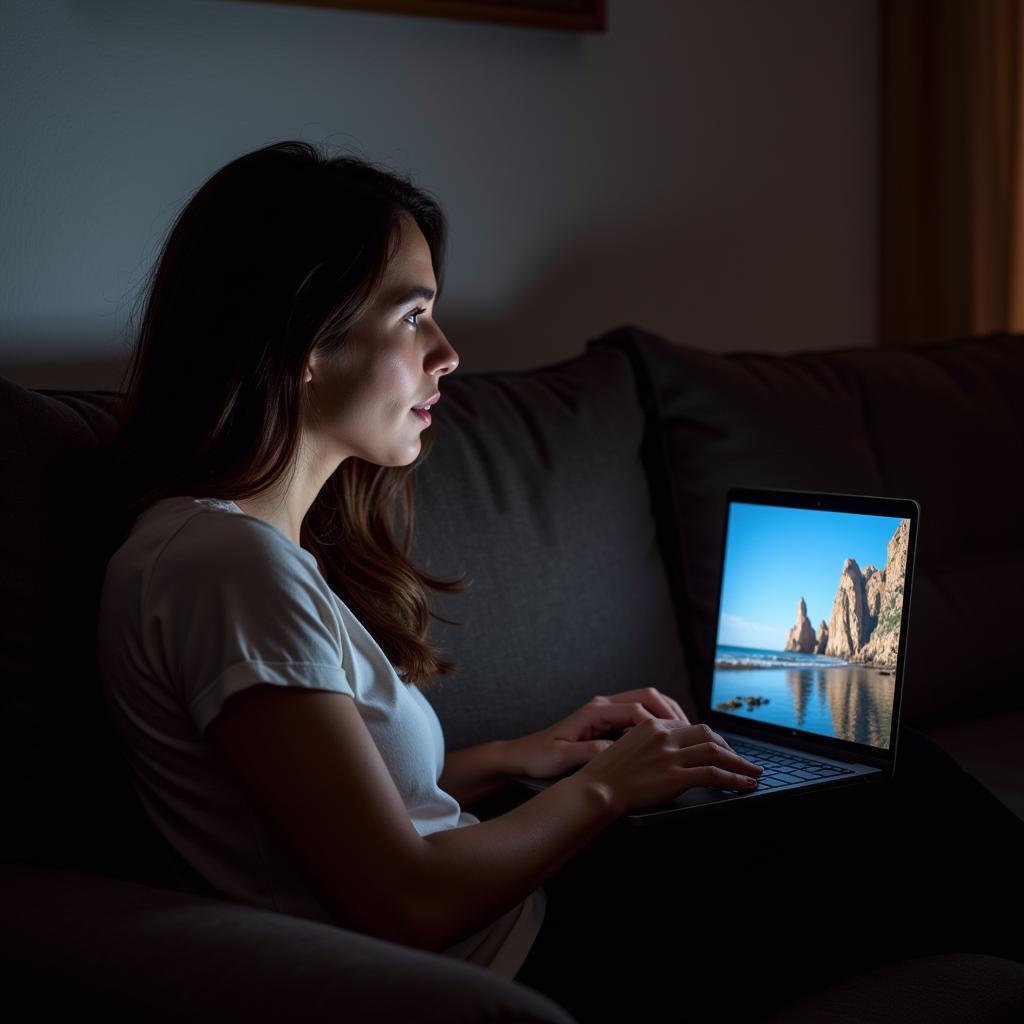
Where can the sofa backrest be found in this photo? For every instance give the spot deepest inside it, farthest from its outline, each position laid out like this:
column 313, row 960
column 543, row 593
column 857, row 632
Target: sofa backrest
column 940, row 423
column 534, row 490
column 562, row 494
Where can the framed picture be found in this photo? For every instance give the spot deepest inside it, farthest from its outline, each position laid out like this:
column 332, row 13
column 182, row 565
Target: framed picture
column 574, row 15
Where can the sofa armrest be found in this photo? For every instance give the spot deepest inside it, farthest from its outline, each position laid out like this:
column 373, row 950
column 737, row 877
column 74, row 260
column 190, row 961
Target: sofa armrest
column 78, row 941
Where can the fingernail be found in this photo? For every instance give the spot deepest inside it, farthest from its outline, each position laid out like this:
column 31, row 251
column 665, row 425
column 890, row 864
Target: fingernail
column 752, row 782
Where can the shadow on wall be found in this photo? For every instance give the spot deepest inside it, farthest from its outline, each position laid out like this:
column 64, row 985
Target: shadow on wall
column 683, row 290
column 707, row 282
column 590, row 285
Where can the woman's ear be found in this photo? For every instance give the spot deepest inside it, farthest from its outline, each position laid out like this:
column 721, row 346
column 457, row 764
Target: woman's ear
column 311, row 363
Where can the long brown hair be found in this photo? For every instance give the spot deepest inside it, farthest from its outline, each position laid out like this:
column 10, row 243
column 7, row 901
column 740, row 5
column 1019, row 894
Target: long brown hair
column 276, row 257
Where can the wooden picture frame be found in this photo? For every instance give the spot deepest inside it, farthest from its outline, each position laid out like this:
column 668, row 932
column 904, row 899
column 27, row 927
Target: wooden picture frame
column 572, row 15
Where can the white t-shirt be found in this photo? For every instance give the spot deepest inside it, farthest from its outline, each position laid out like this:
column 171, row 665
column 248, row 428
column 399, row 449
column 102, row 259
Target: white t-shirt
column 202, row 601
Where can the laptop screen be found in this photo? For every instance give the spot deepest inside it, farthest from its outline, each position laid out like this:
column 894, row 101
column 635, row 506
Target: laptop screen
column 809, row 620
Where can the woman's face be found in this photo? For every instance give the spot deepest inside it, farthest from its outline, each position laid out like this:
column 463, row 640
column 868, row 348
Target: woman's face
column 393, row 359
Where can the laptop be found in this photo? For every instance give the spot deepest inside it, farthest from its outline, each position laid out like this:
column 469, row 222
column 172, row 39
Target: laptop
column 811, row 644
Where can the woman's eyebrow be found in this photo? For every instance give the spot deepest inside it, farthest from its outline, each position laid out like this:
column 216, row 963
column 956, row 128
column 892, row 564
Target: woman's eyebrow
column 418, row 292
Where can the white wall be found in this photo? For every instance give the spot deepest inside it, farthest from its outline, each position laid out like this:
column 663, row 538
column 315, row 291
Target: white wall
column 706, row 169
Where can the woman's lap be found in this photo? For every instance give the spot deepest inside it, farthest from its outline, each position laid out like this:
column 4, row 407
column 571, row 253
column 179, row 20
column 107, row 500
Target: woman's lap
column 749, row 910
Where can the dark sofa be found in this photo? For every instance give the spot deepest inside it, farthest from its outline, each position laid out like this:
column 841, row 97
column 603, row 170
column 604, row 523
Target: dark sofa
column 557, row 491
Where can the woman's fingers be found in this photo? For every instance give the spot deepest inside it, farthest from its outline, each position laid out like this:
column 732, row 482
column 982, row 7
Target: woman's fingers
column 703, row 733
column 617, row 715
column 712, row 755
column 680, row 713
column 704, row 749
column 660, row 705
column 613, row 715
column 712, row 775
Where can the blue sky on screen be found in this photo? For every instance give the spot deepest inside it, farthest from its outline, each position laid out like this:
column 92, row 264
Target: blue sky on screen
column 775, row 556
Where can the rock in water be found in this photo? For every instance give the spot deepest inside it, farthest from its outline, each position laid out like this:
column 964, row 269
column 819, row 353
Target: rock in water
column 882, row 647
column 801, row 637
column 848, row 628
column 822, row 642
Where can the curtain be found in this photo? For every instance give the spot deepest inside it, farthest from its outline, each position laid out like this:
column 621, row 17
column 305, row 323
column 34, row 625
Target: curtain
column 952, row 169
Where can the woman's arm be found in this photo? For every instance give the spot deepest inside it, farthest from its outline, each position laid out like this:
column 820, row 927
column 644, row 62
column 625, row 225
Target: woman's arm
column 474, row 773
column 479, row 872
column 311, row 769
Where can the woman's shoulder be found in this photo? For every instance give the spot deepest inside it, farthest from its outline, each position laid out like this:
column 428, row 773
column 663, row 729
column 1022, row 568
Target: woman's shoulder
column 211, row 535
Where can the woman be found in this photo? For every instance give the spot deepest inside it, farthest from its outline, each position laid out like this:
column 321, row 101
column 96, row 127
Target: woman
column 263, row 633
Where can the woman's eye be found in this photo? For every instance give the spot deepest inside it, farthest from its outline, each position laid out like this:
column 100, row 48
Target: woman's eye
column 415, row 312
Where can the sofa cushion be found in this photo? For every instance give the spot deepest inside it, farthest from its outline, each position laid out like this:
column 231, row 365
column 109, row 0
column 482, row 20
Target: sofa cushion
column 129, row 952
column 68, row 796
column 535, row 489
column 940, row 423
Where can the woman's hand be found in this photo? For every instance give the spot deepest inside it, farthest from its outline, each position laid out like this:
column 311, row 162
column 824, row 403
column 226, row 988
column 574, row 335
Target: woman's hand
column 577, row 738
column 658, row 760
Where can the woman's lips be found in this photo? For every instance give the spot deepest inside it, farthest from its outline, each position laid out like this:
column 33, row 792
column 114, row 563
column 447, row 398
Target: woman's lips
column 423, row 411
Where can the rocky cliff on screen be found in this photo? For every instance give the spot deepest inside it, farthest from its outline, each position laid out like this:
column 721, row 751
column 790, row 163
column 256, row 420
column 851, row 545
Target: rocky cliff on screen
column 865, row 622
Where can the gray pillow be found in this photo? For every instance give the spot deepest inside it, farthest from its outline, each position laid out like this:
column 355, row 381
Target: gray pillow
column 535, row 488
column 942, row 423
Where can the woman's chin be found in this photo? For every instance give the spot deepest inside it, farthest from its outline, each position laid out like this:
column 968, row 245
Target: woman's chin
column 399, row 458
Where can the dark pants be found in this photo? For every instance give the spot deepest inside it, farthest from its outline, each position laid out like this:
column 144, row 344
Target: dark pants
column 732, row 915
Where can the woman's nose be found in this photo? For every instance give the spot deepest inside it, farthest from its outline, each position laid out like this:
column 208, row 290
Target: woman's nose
column 445, row 358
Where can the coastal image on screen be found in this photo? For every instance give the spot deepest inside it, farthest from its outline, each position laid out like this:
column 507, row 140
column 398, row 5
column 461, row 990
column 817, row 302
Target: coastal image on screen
column 785, row 570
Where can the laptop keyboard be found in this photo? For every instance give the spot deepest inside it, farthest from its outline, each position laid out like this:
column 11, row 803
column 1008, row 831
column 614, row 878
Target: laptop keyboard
column 783, row 769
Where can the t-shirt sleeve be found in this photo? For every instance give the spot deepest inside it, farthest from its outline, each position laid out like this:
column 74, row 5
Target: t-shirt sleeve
column 231, row 603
